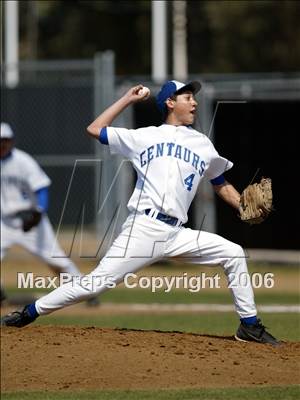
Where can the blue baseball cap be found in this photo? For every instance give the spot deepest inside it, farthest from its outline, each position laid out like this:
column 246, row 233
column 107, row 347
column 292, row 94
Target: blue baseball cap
column 174, row 87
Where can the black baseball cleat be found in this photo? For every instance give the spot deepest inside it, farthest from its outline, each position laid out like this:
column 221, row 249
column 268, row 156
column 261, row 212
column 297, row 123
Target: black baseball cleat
column 255, row 333
column 18, row 318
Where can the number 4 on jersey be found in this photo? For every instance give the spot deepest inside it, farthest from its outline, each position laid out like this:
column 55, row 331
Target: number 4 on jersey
column 189, row 182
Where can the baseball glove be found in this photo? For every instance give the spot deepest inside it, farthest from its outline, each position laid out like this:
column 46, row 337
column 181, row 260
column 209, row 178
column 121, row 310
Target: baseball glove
column 256, row 202
column 30, row 218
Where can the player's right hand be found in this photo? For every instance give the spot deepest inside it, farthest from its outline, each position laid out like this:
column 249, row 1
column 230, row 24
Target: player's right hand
column 135, row 94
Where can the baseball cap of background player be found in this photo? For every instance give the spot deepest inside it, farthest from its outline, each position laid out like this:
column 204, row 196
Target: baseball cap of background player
column 174, row 87
column 6, row 131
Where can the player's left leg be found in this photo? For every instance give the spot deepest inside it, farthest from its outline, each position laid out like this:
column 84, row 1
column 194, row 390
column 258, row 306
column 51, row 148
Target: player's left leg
column 210, row 249
column 206, row 248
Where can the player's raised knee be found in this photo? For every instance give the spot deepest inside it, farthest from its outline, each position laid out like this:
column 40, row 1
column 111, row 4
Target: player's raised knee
column 235, row 251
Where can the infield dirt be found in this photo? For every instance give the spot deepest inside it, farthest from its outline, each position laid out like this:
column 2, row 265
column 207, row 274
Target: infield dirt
column 76, row 358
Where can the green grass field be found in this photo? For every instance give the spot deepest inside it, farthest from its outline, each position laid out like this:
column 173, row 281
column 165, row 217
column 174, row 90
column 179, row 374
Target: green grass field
column 258, row 393
column 206, row 296
column 284, row 326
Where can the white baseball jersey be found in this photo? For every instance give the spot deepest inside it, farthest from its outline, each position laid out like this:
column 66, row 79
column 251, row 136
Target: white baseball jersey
column 170, row 162
column 21, row 176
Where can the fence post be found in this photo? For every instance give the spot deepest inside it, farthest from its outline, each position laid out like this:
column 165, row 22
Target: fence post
column 104, row 91
column 205, row 209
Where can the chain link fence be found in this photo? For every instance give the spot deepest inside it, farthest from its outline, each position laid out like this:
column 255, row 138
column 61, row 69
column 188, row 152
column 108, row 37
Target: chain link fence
column 55, row 101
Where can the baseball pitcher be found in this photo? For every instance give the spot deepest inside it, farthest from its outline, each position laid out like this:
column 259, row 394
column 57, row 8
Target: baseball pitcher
column 171, row 161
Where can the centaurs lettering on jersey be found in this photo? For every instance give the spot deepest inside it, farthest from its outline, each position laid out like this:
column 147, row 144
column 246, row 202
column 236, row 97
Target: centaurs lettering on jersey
column 172, row 150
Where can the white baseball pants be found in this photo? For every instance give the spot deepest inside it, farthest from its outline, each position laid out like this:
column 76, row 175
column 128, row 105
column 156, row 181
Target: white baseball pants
column 144, row 240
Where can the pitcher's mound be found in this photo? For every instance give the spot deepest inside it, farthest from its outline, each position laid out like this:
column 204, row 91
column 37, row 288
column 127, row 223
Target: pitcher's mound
column 71, row 358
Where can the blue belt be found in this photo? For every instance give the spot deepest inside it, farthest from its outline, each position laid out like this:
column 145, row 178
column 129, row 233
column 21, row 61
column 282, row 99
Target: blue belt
column 164, row 218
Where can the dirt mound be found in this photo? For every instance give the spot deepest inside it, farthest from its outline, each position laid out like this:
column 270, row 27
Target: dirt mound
column 71, row 358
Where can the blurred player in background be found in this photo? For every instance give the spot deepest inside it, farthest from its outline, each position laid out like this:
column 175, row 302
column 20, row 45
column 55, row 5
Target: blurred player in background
column 24, row 206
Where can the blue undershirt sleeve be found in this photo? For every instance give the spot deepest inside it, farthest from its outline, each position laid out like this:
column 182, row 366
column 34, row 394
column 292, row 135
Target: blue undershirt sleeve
column 103, row 136
column 42, row 196
column 218, row 180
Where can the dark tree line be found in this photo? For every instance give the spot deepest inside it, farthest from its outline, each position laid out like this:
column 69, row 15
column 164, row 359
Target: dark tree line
column 223, row 36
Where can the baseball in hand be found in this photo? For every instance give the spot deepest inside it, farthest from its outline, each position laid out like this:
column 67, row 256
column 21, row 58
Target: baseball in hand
column 144, row 92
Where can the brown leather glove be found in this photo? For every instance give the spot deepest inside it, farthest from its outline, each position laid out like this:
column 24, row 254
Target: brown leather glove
column 30, row 218
column 256, row 202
